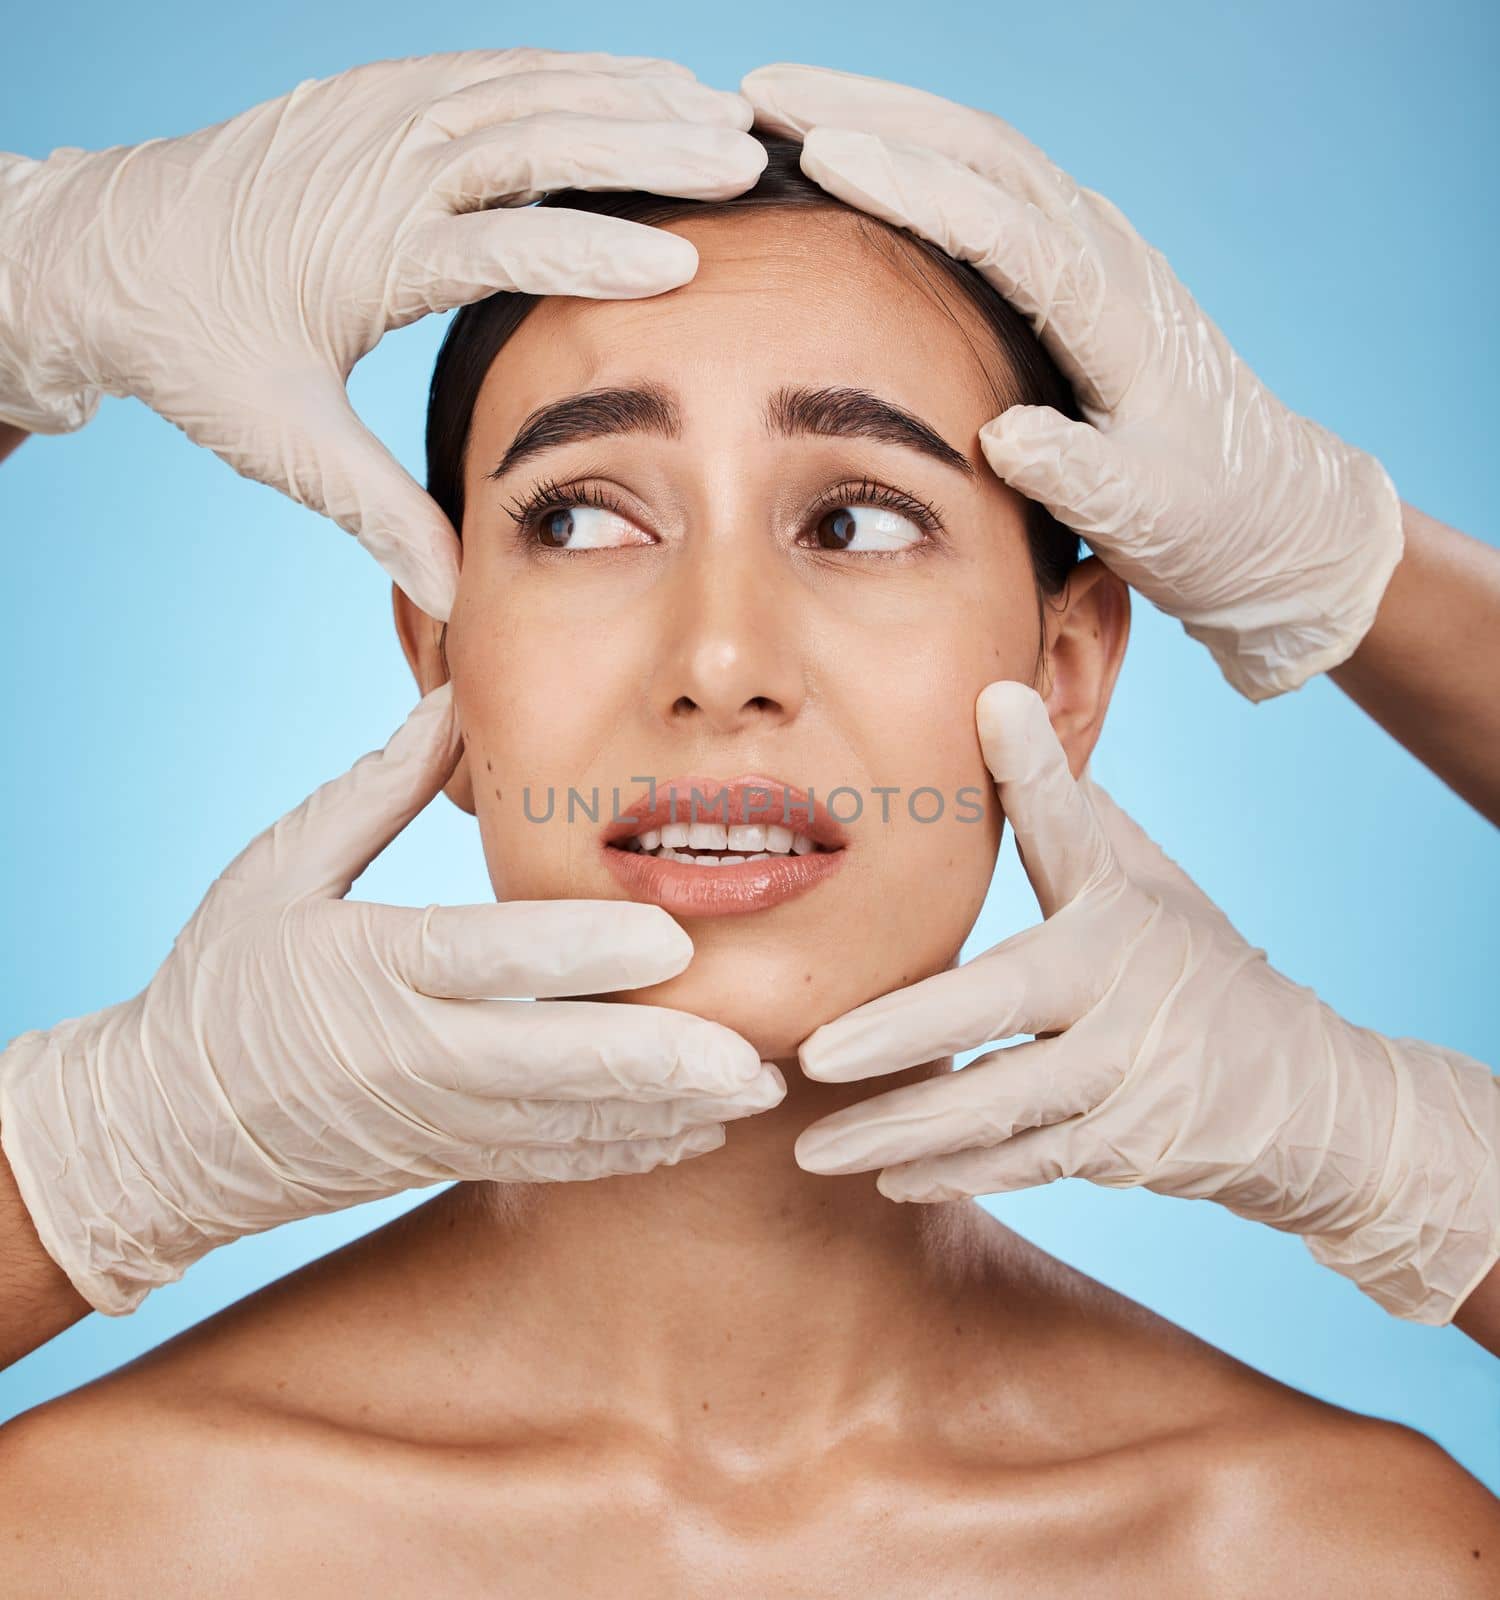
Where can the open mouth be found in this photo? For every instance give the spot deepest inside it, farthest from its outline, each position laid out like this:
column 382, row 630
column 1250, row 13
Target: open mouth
column 715, row 847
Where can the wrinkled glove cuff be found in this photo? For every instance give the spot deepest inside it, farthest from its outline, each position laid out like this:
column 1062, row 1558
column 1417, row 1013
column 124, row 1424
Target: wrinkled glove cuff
column 1431, row 1231
column 1272, row 643
column 66, row 1166
column 42, row 387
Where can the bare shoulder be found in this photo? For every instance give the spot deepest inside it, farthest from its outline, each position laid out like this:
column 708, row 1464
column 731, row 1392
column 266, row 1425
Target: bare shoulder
column 177, row 1464
column 1233, row 1482
column 107, row 1492
column 1330, row 1502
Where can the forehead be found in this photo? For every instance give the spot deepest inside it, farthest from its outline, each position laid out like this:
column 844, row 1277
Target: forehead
column 781, row 297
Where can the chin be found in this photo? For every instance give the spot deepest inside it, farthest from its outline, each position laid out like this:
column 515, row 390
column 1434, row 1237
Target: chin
column 776, row 995
column 773, row 1030
column 774, row 1008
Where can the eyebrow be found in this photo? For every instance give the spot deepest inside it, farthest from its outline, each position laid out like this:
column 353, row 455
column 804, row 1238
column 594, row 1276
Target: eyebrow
column 594, row 414
column 858, row 414
column 842, row 413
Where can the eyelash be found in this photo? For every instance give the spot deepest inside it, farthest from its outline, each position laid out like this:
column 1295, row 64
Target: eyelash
column 527, row 510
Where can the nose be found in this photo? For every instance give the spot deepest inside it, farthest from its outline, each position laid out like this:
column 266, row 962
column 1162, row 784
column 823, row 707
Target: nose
column 729, row 660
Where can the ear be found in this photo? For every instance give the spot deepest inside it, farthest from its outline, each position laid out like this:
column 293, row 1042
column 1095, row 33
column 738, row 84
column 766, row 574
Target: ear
column 1085, row 634
column 420, row 637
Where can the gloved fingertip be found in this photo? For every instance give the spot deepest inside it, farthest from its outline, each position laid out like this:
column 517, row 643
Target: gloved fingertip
column 741, row 112
column 765, row 1090
column 894, row 1187
column 816, row 1157
column 831, row 151
column 436, row 702
column 1021, row 423
column 699, row 1141
column 667, row 943
column 654, row 263
column 1007, row 709
column 816, row 1062
column 434, row 591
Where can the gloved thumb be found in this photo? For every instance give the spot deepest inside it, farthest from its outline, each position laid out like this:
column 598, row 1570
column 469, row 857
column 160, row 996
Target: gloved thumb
column 1069, row 467
column 1063, row 847
column 322, row 846
column 331, row 462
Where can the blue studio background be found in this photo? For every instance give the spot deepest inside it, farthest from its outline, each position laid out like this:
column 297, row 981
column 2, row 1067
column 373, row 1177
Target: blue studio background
column 186, row 655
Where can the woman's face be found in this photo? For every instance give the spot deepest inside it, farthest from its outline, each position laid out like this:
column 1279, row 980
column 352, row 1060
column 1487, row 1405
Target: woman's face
column 775, row 550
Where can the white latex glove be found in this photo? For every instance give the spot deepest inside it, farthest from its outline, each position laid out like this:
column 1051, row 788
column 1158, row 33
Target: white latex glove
column 231, row 278
column 1271, row 539
column 298, row 1052
column 1182, row 1062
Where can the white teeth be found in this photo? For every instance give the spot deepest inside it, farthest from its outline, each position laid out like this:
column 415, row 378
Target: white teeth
column 674, row 840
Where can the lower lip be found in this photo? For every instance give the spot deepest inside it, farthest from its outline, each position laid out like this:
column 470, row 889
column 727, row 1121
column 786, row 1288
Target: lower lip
column 720, row 891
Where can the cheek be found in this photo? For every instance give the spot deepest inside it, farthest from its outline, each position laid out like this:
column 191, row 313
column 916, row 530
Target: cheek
column 535, row 713
column 911, row 699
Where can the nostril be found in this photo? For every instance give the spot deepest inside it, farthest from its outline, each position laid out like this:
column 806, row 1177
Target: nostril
column 757, row 705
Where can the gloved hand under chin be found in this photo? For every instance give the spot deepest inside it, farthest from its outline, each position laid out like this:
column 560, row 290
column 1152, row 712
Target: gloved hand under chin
column 1183, row 1062
column 298, row 1052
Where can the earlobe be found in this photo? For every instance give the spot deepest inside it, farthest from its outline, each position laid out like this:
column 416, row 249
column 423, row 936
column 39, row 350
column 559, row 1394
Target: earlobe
column 1086, row 635
column 422, row 643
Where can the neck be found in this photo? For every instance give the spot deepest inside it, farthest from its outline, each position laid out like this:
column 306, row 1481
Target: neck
column 733, row 1288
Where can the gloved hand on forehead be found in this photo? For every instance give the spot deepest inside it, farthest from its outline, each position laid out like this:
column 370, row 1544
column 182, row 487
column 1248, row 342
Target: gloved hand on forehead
column 231, row 278
column 1270, row 538
column 1182, row 1061
column 298, row 1052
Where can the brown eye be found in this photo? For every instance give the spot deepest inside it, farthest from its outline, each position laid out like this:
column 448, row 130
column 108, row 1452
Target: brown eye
column 836, row 528
column 556, row 528
column 866, row 530
column 584, row 527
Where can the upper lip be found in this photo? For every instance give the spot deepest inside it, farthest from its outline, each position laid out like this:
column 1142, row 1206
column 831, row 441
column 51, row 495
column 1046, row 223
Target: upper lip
column 734, row 801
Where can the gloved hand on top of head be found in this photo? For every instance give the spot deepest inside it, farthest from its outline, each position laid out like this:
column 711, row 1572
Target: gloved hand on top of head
column 232, row 277
column 1271, row 539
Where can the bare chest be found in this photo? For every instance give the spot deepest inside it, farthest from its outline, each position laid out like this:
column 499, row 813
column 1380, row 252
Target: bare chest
column 468, row 1530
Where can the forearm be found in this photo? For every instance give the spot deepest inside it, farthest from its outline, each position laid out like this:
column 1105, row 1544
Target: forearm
column 1479, row 1315
column 9, row 438
column 1428, row 671
column 36, row 1299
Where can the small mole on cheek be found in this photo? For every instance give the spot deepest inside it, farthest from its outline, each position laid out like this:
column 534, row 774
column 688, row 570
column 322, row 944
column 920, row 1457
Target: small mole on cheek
column 497, row 794
column 489, row 766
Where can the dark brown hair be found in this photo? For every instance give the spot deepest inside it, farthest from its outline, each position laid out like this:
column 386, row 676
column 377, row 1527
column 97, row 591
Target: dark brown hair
column 479, row 332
